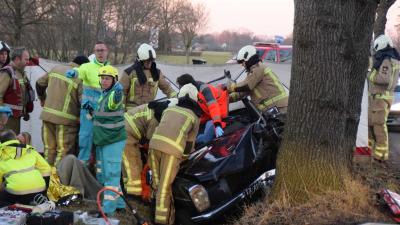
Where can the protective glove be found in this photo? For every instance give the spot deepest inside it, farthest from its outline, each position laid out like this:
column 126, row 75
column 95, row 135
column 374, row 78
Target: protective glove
column 118, row 87
column 227, row 73
column 6, row 110
column 219, row 131
column 71, row 73
column 87, row 105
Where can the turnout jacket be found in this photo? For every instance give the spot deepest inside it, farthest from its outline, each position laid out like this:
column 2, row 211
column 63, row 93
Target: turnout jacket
column 62, row 96
column 382, row 83
column 140, row 122
column 263, row 86
column 176, row 132
column 137, row 94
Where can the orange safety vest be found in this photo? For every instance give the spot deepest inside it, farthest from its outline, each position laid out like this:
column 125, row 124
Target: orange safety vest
column 214, row 103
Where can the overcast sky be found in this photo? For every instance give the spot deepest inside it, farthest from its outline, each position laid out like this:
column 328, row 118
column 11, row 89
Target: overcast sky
column 263, row 17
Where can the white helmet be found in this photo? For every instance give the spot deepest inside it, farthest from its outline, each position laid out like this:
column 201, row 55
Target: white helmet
column 145, row 52
column 92, row 57
column 382, row 42
column 4, row 46
column 188, row 89
column 246, row 52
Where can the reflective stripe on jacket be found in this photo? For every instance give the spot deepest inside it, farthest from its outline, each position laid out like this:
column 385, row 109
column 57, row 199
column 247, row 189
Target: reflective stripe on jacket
column 214, row 103
column 108, row 120
column 137, row 94
column 22, row 168
column 264, row 88
column 140, row 122
column 176, row 132
column 62, row 100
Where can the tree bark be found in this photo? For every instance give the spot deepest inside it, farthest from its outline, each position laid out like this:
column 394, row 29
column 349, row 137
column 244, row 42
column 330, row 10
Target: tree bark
column 330, row 61
column 380, row 22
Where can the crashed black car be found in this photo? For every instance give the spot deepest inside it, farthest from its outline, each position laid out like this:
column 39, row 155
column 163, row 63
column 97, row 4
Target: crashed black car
column 222, row 175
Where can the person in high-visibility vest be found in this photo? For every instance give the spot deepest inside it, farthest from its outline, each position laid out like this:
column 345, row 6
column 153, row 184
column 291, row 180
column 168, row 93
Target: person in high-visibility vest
column 91, row 92
column 382, row 80
column 60, row 97
column 24, row 173
column 140, row 123
column 109, row 137
column 261, row 83
column 214, row 101
column 142, row 80
column 173, row 139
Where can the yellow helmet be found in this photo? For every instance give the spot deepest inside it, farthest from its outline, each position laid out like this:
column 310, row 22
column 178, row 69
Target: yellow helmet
column 108, row 71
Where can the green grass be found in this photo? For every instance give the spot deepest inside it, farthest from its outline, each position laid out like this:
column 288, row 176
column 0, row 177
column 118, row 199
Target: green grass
column 210, row 57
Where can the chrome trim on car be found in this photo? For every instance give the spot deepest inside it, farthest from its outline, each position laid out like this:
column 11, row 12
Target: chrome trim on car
column 242, row 195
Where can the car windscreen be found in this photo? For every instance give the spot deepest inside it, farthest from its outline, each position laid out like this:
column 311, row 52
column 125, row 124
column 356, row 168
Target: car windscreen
column 397, row 88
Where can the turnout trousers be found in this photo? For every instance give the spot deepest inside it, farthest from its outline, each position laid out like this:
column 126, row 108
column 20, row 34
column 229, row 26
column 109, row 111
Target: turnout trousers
column 59, row 140
column 164, row 167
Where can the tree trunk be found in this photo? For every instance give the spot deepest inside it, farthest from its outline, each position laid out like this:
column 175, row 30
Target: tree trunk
column 17, row 23
column 187, row 55
column 380, row 22
column 330, row 61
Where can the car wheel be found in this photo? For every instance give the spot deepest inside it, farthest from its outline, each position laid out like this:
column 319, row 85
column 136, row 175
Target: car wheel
column 182, row 217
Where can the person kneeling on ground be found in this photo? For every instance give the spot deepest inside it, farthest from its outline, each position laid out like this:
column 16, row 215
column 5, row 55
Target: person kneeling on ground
column 24, row 173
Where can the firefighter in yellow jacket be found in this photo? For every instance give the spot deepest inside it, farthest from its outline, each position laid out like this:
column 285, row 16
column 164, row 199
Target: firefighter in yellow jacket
column 140, row 123
column 173, row 139
column 23, row 172
column 142, row 80
column 60, row 97
column 382, row 81
column 261, row 84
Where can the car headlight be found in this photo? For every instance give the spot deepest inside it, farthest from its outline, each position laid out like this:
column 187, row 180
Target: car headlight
column 199, row 197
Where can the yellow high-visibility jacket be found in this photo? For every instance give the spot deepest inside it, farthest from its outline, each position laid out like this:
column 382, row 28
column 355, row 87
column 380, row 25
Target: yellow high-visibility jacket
column 22, row 168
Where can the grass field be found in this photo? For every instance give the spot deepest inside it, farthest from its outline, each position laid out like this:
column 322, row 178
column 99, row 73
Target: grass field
column 210, row 57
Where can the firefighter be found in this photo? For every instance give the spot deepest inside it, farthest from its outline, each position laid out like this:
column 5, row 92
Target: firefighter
column 60, row 99
column 214, row 102
column 4, row 54
column 382, row 81
column 5, row 113
column 24, row 173
column 173, row 139
column 88, row 73
column 142, row 80
column 261, row 84
column 140, row 123
column 14, row 88
column 109, row 137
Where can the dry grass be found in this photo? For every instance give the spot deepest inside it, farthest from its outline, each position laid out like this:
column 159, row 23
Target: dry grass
column 354, row 205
